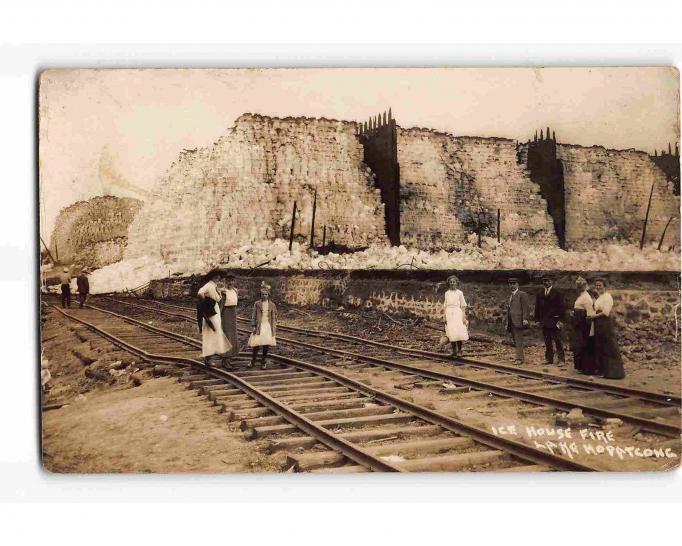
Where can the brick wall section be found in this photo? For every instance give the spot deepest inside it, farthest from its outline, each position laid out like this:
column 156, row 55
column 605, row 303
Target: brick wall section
column 242, row 189
column 645, row 304
column 607, row 193
column 446, row 180
column 93, row 232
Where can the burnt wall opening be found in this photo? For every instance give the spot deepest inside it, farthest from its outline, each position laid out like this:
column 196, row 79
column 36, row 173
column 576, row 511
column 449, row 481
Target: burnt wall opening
column 547, row 171
column 669, row 163
column 379, row 139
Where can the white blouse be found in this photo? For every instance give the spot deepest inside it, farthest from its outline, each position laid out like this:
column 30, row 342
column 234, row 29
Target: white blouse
column 604, row 303
column 230, row 297
column 455, row 298
column 585, row 302
column 209, row 290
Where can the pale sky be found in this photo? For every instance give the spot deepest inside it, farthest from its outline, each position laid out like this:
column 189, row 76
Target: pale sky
column 146, row 117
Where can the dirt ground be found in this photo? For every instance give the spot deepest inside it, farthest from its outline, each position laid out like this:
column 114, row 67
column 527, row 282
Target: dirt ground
column 131, row 421
column 655, row 368
column 161, row 427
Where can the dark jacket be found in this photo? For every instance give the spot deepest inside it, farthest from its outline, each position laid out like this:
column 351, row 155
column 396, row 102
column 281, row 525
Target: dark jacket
column 549, row 309
column 205, row 309
column 258, row 314
column 83, row 284
column 518, row 310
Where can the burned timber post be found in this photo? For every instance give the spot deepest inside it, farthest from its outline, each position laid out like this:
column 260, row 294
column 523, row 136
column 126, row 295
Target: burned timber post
column 379, row 139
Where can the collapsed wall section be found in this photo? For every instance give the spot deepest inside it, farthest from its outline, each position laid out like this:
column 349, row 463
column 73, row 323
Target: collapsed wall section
column 93, row 233
column 242, row 189
column 606, row 197
column 453, row 186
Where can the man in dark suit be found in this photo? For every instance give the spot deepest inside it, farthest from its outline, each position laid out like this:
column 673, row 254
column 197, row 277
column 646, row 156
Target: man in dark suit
column 518, row 317
column 549, row 312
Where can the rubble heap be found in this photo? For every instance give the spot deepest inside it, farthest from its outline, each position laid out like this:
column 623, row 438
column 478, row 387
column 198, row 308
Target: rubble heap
column 93, row 233
column 242, row 189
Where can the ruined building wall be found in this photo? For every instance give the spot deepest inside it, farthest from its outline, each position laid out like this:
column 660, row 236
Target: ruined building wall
column 606, row 196
column 93, row 233
column 242, row 189
column 450, row 184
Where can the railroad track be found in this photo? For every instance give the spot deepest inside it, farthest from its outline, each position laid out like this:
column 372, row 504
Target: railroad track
column 325, row 421
column 651, row 412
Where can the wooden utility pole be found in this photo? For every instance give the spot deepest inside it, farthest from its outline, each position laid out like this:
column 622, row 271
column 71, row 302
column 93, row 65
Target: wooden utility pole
column 293, row 222
column 498, row 225
column 312, row 225
column 646, row 218
column 55, row 261
column 660, row 243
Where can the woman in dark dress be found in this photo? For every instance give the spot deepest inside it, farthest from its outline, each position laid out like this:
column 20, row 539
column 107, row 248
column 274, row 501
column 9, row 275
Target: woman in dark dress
column 582, row 340
column 229, row 313
column 609, row 361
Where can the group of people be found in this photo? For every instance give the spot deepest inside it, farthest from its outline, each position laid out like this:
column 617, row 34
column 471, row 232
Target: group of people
column 82, row 284
column 593, row 340
column 217, row 321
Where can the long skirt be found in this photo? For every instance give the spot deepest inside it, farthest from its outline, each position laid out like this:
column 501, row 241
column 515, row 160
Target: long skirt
column 454, row 324
column 265, row 337
column 582, row 345
column 213, row 340
column 609, row 360
column 229, row 321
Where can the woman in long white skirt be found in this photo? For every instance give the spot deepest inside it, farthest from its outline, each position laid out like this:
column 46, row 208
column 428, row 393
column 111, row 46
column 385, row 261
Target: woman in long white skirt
column 455, row 316
column 264, row 324
column 214, row 343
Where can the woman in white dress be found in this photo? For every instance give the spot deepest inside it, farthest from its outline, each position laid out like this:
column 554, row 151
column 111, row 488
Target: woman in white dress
column 455, row 316
column 214, row 344
column 264, row 324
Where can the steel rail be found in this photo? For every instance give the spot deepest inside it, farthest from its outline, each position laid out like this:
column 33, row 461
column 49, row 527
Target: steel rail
column 517, row 449
column 322, row 435
column 648, row 425
column 649, row 396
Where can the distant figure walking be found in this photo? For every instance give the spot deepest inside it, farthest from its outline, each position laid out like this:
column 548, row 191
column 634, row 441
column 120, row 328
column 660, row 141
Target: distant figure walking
column 609, row 360
column 83, row 287
column 518, row 316
column 582, row 338
column 549, row 312
column 230, row 298
column 455, row 316
column 214, row 344
column 65, row 281
column 264, row 324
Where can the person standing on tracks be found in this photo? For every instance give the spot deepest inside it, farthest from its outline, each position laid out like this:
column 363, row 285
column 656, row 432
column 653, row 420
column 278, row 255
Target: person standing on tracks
column 609, row 360
column 65, row 282
column 264, row 324
column 455, row 316
column 230, row 298
column 582, row 338
column 518, row 317
column 214, row 344
column 549, row 312
column 83, row 285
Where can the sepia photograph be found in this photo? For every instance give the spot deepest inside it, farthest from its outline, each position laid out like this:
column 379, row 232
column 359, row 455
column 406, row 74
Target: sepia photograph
column 356, row 270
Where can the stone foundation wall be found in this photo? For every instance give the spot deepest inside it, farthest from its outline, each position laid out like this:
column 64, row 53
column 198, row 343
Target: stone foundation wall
column 242, row 189
column 646, row 304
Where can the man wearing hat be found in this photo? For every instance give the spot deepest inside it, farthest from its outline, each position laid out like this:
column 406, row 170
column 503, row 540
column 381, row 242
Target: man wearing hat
column 83, row 286
column 65, row 282
column 518, row 316
column 549, row 311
